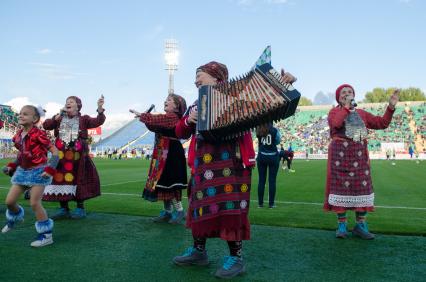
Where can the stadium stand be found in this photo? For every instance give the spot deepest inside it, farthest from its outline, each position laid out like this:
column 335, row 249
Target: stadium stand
column 125, row 135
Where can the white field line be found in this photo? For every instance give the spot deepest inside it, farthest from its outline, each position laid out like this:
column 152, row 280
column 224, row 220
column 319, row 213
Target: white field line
column 279, row 202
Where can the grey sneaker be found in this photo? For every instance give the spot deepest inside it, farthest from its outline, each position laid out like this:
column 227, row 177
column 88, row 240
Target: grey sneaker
column 192, row 256
column 61, row 214
column 361, row 230
column 177, row 217
column 163, row 217
column 341, row 231
column 232, row 266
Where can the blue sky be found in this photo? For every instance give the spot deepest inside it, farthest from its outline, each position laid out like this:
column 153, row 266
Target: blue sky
column 53, row 49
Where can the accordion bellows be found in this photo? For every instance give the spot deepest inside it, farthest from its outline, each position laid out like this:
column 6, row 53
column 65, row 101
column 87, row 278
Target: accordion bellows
column 227, row 110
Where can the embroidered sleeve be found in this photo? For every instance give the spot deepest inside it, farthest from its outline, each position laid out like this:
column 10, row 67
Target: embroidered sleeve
column 336, row 117
column 157, row 122
column 377, row 122
column 94, row 122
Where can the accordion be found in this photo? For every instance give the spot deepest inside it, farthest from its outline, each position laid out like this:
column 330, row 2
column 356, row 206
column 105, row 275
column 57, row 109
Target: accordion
column 228, row 110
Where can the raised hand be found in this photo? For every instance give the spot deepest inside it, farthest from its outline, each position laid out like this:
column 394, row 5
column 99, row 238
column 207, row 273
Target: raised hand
column 193, row 116
column 136, row 113
column 101, row 102
column 288, row 77
column 394, row 98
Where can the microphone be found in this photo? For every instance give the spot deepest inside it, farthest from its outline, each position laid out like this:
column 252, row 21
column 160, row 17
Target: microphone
column 353, row 103
column 150, row 109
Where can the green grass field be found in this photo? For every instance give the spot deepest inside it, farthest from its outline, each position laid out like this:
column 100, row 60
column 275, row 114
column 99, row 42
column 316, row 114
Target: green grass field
column 117, row 241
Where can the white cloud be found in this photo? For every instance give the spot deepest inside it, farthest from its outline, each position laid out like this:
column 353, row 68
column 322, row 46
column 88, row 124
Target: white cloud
column 44, row 51
column 52, row 108
column 18, row 102
column 56, row 72
column 115, row 121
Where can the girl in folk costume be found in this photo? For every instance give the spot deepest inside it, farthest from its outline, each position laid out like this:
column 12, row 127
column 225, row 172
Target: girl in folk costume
column 167, row 174
column 76, row 178
column 219, row 190
column 349, row 185
column 31, row 170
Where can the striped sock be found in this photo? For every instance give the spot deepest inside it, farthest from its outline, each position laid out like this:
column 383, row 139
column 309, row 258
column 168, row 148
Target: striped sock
column 235, row 248
column 200, row 244
column 360, row 217
column 341, row 217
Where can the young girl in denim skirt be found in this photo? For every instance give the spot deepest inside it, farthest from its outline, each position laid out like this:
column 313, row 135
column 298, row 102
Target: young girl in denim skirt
column 31, row 170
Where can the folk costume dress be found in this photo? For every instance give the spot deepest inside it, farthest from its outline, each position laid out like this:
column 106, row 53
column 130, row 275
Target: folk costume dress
column 219, row 189
column 167, row 173
column 76, row 178
column 349, row 185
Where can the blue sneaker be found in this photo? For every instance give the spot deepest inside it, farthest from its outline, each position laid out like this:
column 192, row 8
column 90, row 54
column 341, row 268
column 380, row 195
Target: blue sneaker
column 78, row 213
column 342, row 231
column 177, row 217
column 232, row 266
column 164, row 216
column 361, row 230
column 61, row 214
column 192, row 256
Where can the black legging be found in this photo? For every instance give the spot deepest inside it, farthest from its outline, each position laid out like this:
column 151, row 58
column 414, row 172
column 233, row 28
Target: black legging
column 285, row 158
column 263, row 162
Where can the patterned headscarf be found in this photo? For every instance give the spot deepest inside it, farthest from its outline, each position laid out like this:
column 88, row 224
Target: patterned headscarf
column 180, row 102
column 77, row 100
column 339, row 89
column 215, row 69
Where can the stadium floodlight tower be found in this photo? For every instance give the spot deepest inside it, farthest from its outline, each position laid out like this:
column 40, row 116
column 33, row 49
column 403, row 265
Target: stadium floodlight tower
column 171, row 56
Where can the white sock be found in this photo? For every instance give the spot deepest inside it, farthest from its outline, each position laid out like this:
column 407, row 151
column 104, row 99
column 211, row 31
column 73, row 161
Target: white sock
column 177, row 204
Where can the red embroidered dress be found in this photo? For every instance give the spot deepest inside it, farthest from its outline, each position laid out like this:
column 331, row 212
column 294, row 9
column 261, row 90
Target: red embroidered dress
column 76, row 177
column 349, row 183
column 219, row 190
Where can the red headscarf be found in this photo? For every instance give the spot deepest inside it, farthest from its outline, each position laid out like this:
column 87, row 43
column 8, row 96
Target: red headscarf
column 340, row 89
column 77, row 100
column 180, row 102
column 215, row 69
